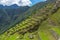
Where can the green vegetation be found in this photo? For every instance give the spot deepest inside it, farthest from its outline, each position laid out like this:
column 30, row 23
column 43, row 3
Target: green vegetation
column 44, row 24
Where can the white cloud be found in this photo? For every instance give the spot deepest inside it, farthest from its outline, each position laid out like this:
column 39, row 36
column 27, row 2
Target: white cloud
column 18, row 2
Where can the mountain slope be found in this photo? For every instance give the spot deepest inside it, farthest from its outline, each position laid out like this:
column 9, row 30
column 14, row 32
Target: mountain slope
column 42, row 25
column 9, row 14
column 22, row 16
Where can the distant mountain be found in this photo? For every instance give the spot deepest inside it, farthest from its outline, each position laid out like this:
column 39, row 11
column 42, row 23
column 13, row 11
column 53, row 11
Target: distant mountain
column 10, row 13
column 13, row 12
column 12, row 6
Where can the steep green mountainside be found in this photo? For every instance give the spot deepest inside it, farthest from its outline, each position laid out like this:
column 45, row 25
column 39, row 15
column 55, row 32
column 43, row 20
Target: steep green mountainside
column 19, row 17
column 43, row 24
column 9, row 15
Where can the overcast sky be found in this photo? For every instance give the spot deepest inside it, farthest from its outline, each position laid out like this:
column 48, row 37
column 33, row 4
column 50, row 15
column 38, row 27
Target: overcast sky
column 19, row 2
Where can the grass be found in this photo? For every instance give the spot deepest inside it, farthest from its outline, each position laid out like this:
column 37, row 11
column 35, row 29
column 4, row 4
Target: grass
column 57, row 30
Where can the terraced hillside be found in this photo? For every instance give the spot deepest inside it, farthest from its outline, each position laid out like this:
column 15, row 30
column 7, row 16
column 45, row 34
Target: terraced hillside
column 44, row 24
column 19, row 16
